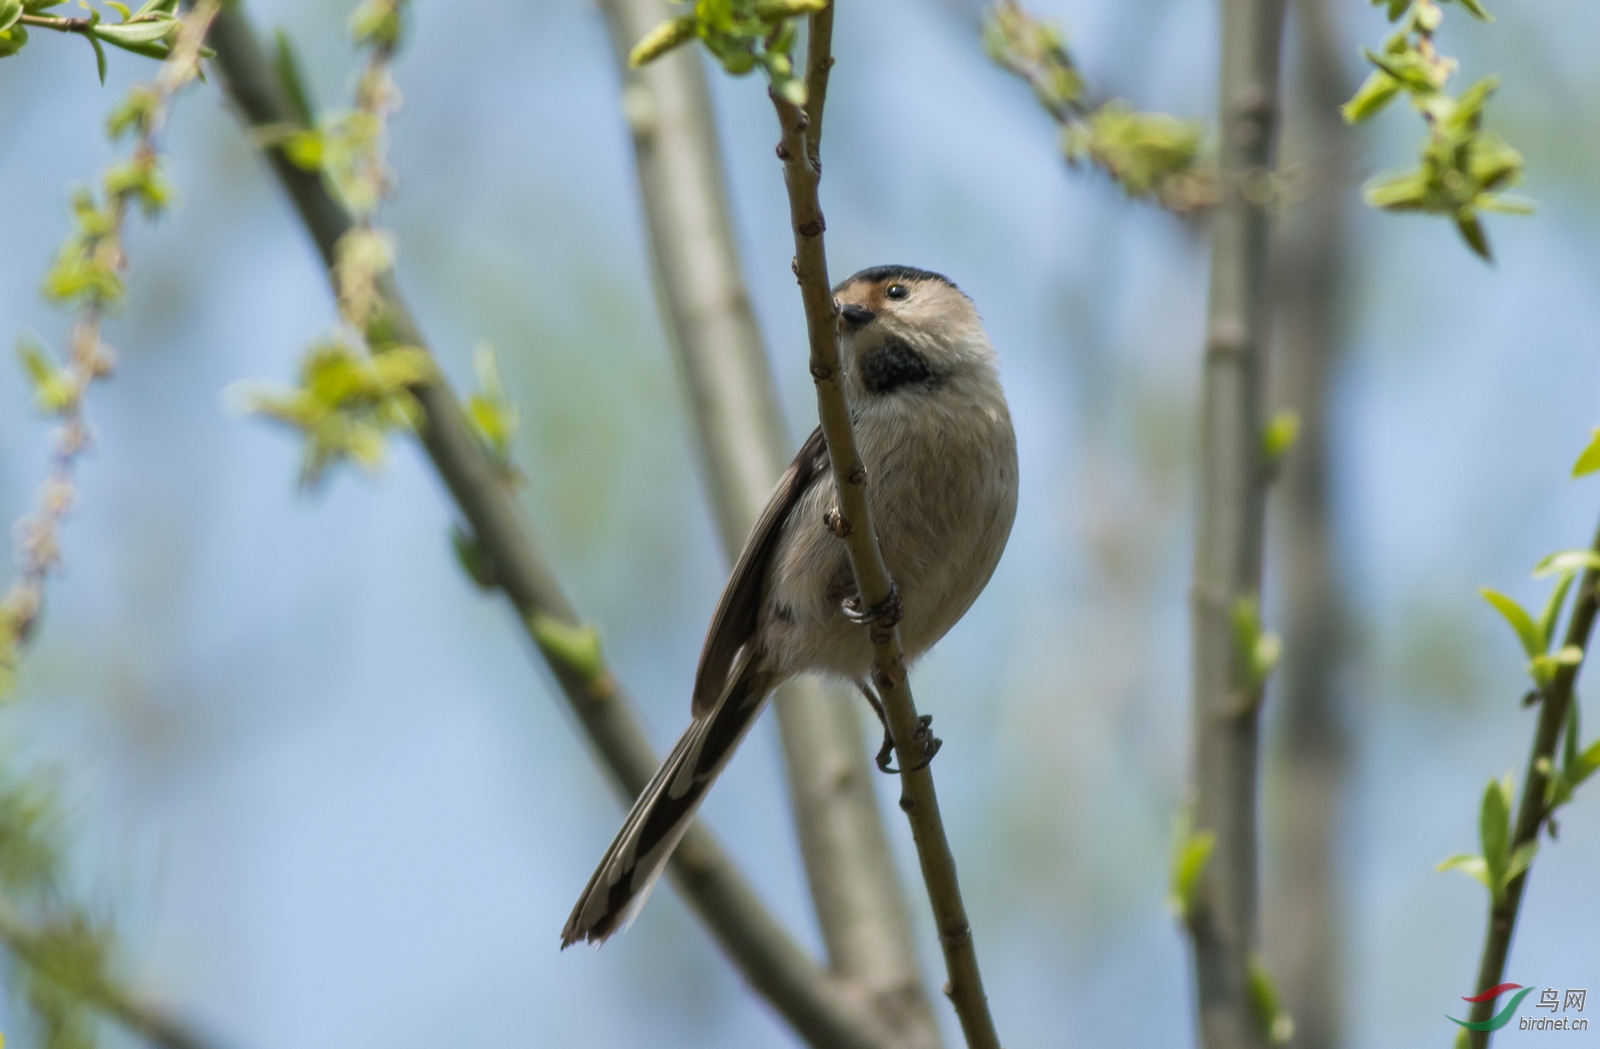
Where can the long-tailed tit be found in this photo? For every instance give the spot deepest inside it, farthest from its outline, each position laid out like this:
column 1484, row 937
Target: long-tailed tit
column 935, row 437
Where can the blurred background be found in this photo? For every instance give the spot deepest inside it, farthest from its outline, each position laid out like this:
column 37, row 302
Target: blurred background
column 330, row 800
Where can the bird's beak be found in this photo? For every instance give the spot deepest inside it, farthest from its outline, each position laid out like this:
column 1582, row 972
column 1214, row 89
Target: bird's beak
column 856, row 317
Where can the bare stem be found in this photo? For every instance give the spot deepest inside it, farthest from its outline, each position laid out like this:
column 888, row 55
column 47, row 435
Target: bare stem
column 712, row 328
column 1533, row 810
column 811, row 1000
column 1228, row 546
column 802, row 173
column 1303, row 907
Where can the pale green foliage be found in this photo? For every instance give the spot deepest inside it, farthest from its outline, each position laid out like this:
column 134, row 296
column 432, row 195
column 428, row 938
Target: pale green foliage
column 1280, row 436
column 1498, row 864
column 1151, row 155
column 1191, row 851
column 346, row 403
column 1576, row 765
column 1589, row 460
column 1258, row 651
column 743, row 35
column 490, row 412
column 1537, row 636
column 575, row 647
column 1464, row 169
column 150, row 31
column 1267, row 1005
column 62, row 955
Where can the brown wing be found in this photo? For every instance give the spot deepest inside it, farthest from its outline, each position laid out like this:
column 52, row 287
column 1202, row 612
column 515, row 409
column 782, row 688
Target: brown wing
column 734, row 623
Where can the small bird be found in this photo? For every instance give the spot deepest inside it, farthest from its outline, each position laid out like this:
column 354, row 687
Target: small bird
column 935, row 436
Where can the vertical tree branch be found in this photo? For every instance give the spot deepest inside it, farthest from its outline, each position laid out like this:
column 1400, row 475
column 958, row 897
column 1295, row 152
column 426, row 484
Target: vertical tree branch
column 1301, row 934
column 802, row 173
column 1232, row 497
column 811, row 1000
column 712, row 327
column 1532, row 811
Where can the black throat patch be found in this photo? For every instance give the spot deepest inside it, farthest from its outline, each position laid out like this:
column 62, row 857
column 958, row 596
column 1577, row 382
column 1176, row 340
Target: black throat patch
column 893, row 366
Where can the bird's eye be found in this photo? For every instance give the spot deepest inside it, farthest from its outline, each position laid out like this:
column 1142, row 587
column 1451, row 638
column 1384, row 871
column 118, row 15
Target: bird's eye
column 897, row 291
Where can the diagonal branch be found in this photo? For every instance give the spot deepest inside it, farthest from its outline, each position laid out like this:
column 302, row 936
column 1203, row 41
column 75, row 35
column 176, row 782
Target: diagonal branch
column 1555, row 701
column 712, row 327
column 802, row 173
column 810, row 999
column 136, row 1014
column 1228, row 674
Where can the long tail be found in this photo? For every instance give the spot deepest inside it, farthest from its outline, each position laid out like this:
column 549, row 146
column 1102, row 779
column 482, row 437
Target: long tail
column 661, row 815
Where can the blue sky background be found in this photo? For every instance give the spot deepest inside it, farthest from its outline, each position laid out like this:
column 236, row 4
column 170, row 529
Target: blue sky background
column 330, row 799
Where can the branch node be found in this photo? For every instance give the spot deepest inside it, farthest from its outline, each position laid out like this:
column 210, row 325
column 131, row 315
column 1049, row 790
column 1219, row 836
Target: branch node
column 813, row 228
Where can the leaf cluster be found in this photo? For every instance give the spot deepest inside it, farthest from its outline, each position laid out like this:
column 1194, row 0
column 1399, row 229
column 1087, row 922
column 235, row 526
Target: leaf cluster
column 1150, row 155
column 62, row 955
column 742, row 35
column 1498, row 864
column 150, row 31
column 1464, row 169
column 1537, row 636
column 346, row 403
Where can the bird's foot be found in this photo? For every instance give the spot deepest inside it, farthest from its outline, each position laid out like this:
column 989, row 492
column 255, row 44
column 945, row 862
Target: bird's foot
column 923, row 737
column 886, row 614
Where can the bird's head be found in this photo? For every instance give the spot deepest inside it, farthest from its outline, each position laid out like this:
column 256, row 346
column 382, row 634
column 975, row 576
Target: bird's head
column 903, row 329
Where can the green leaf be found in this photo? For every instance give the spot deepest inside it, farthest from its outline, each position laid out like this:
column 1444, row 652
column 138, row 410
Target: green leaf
column 287, row 66
column 1258, row 650
column 1471, row 231
column 1471, row 866
column 53, row 388
column 10, row 11
column 1585, row 765
column 1552, row 610
column 99, row 57
column 1264, row 1001
column 1400, row 191
column 663, row 38
column 1521, row 857
column 1494, row 828
column 130, row 34
column 1566, row 561
column 12, row 40
column 490, row 412
column 1527, row 631
column 1589, row 461
column 1476, row 10
column 1280, row 435
column 573, row 646
column 473, row 558
column 1191, row 850
column 1376, row 92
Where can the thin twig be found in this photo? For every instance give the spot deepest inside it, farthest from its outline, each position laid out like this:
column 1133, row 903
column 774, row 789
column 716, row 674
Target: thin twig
column 1227, row 573
column 96, row 246
column 142, row 1017
column 712, row 328
column 802, row 172
column 1555, row 702
column 811, row 1000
